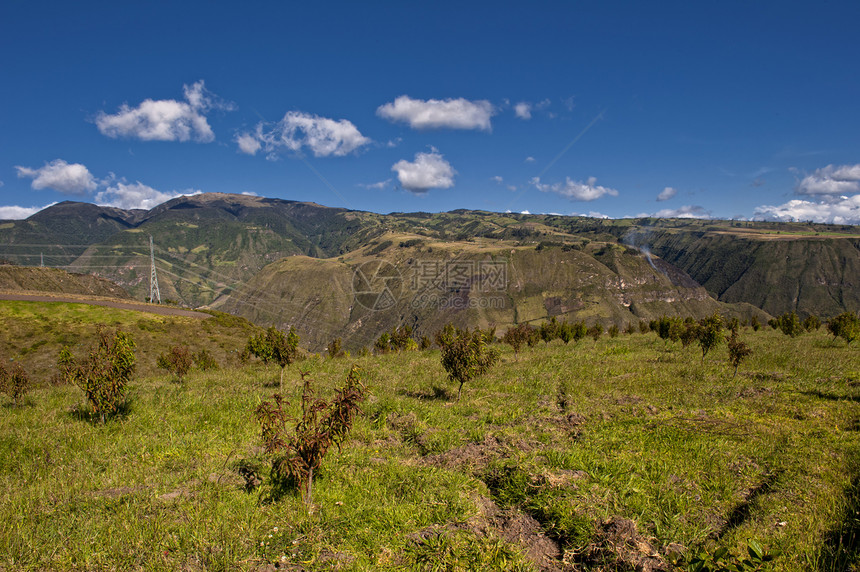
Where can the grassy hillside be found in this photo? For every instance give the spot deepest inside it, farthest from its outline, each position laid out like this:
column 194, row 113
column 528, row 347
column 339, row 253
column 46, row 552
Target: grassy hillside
column 481, row 282
column 600, row 456
column 210, row 245
column 53, row 280
column 809, row 275
column 35, row 332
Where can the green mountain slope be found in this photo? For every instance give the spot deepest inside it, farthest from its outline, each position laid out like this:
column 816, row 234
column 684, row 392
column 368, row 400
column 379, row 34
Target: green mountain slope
column 404, row 280
column 809, row 275
column 54, row 280
column 210, row 248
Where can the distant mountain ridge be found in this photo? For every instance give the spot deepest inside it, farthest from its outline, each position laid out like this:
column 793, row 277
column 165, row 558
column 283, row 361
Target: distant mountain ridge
column 246, row 253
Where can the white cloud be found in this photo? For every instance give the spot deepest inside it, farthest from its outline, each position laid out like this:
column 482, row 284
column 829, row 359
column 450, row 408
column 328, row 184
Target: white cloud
column 667, row 194
column 576, row 190
column 831, row 180
column 686, row 211
column 377, row 186
column 248, row 144
column 67, row 178
column 19, row 213
column 498, row 179
column 530, row 159
column 439, row 113
column 844, row 210
column 135, row 196
column 525, row 212
column 428, row 171
column 165, row 119
column 523, row 110
column 323, row 136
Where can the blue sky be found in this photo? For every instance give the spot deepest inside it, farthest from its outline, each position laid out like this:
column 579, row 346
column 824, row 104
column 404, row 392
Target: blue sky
column 719, row 109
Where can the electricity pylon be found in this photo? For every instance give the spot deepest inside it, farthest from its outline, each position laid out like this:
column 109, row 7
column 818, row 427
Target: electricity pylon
column 154, row 294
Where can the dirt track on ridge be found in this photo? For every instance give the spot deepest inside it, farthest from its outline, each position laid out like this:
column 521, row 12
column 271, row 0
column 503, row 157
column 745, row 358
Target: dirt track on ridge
column 108, row 302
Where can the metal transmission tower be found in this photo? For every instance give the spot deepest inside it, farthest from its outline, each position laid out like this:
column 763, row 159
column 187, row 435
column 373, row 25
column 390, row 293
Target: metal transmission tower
column 154, row 294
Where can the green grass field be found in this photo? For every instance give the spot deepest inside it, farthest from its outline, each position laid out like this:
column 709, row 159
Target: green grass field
column 587, row 457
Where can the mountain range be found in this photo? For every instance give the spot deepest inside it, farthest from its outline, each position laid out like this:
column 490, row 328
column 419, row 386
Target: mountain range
column 334, row 272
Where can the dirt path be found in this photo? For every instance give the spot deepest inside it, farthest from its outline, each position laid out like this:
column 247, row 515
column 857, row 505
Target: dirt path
column 99, row 301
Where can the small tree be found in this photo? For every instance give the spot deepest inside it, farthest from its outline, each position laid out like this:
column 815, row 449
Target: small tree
column 400, row 339
column 104, row 374
column 669, row 328
column 382, row 345
column 465, row 354
column 274, row 345
column 846, row 326
column 811, row 323
column 790, row 324
column 177, row 361
column 613, row 331
column 595, row 331
column 335, row 348
column 755, row 324
column 738, row 351
column 565, row 332
column 204, row 360
column 296, row 456
column 517, row 336
column 690, row 333
column 14, row 382
column 549, row 331
column 710, row 333
column 579, row 330
column 732, row 324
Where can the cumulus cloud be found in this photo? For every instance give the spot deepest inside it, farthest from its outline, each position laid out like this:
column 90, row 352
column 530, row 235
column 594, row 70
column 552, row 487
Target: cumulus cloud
column 530, row 159
column 498, row 179
column 67, row 178
column 165, row 119
column 428, row 171
column 439, row 113
column 831, row 180
column 248, row 144
column 323, row 136
column 667, row 194
column 135, row 196
column 576, row 190
column 523, row 110
column 844, row 210
column 19, row 213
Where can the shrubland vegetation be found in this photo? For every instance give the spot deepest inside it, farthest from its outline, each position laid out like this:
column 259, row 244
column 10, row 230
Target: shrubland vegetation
column 14, row 381
column 103, row 374
column 614, row 453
